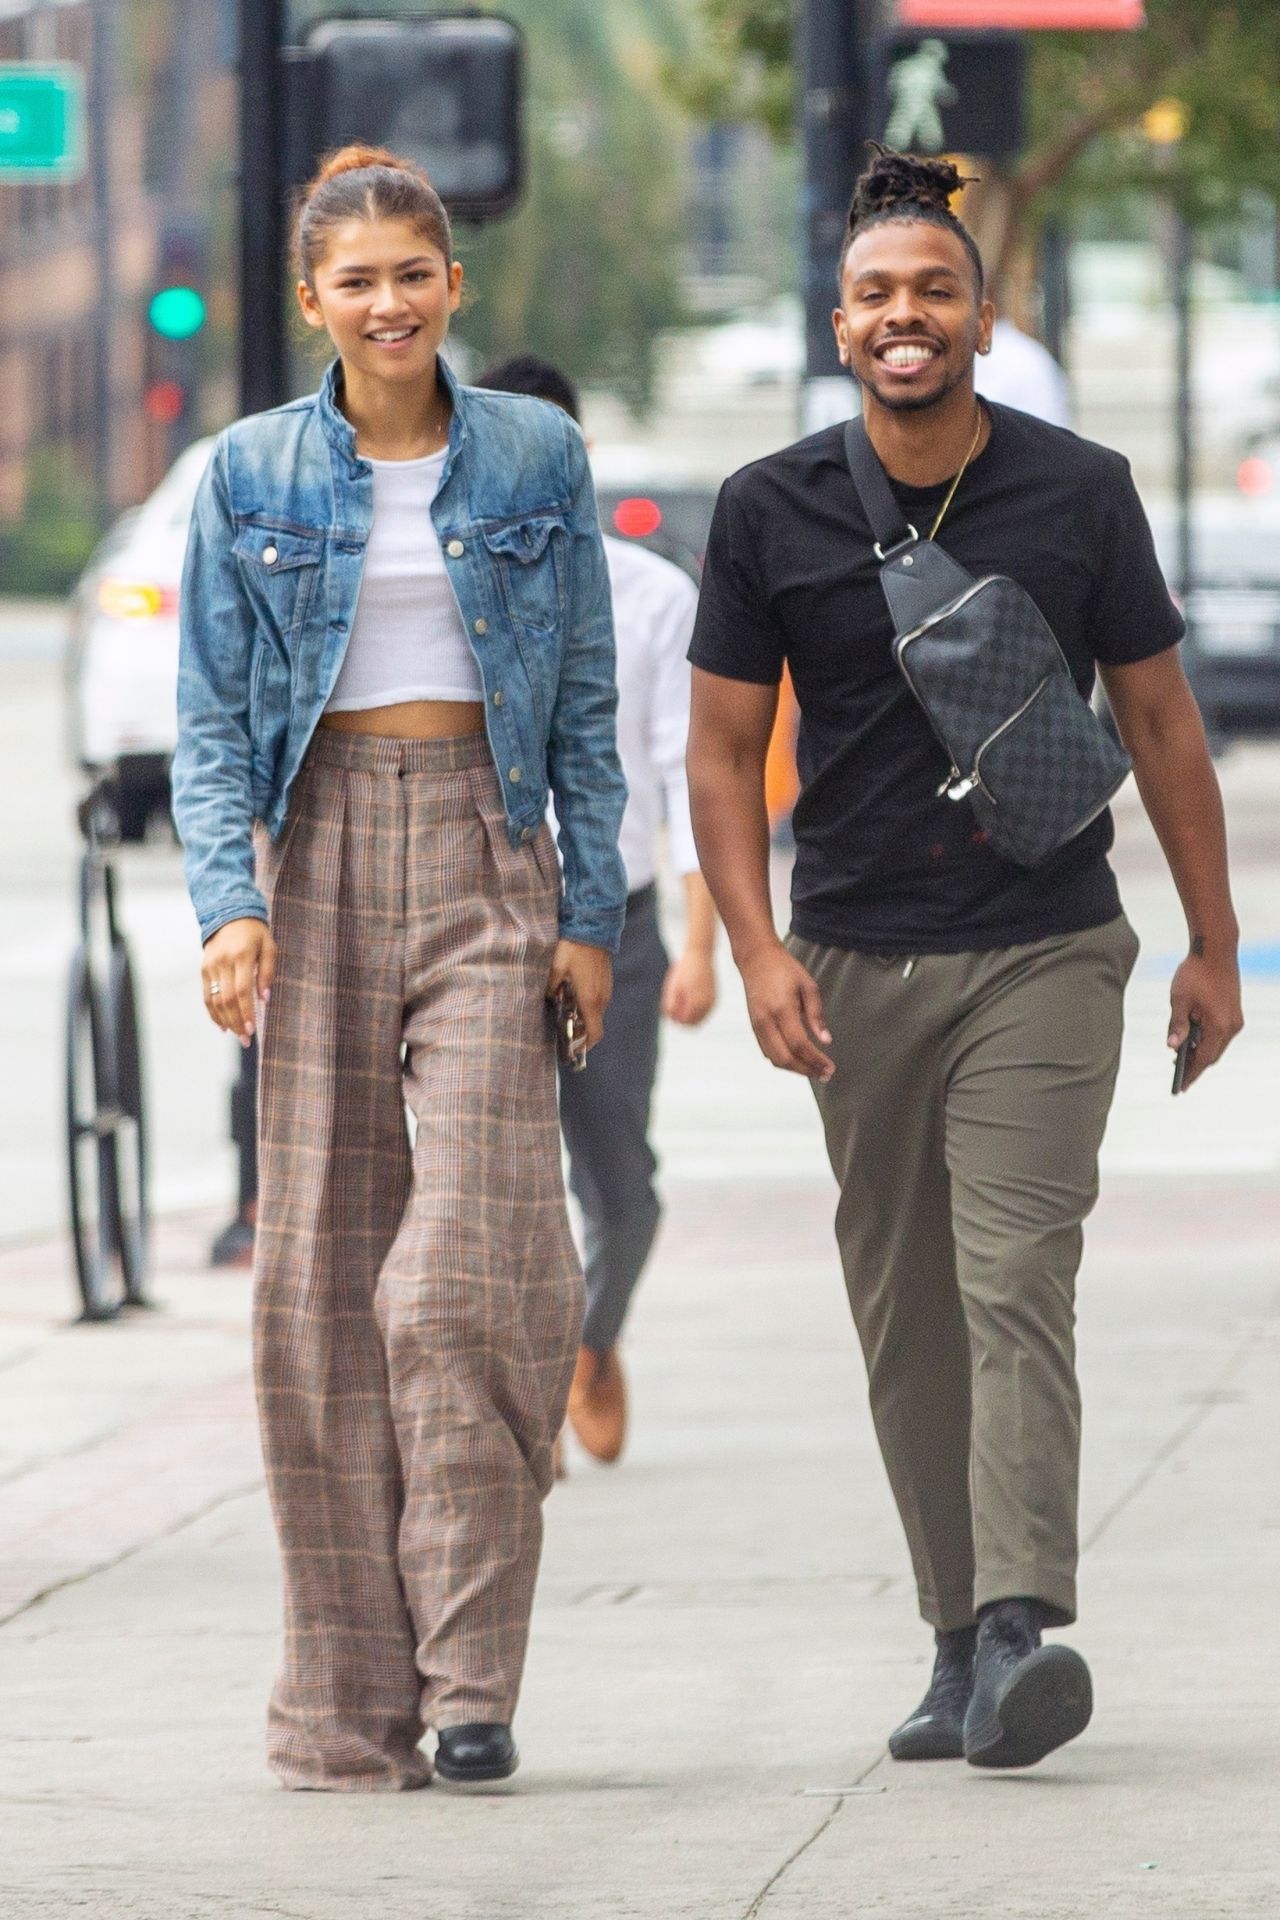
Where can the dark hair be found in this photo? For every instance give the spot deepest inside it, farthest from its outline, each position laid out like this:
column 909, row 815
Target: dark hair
column 526, row 373
column 366, row 183
column 900, row 187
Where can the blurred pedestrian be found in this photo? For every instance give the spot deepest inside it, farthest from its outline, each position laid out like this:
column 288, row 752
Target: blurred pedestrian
column 395, row 633
column 1020, row 371
column 958, row 1013
column 604, row 1111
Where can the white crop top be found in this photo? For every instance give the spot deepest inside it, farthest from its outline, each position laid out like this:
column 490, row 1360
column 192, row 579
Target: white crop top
column 407, row 641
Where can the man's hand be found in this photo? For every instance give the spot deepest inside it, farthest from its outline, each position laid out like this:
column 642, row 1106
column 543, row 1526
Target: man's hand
column 689, row 990
column 786, row 1013
column 1206, row 988
column 239, row 960
column 589, row 971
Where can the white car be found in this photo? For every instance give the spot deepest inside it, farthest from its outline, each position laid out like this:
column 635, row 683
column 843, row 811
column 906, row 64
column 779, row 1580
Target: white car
column 123, row 657
column 122, row 660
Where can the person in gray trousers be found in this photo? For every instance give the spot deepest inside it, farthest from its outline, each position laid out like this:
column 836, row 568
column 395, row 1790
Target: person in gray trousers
column 604, row 1110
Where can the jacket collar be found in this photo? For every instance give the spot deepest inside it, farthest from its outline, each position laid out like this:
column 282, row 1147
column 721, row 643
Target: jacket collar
column 341, row 435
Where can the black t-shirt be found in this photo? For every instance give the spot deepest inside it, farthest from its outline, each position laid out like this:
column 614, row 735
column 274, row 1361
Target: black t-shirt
column 882, row 863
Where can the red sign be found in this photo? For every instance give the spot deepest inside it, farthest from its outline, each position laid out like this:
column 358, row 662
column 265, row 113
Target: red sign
column 1025, row 15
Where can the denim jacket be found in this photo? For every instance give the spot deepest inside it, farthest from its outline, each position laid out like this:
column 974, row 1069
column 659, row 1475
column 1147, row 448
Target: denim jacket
column 269, row 591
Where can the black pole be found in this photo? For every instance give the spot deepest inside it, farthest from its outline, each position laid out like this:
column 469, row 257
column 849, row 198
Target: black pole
column 99, row 114
column 263, row 383
column 263, row 346
column 837, row 52
column 1055, row 281
column 1184, row 417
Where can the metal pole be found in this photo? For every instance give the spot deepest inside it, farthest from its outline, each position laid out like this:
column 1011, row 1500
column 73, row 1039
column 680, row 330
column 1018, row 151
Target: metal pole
column 263, row 348
column 837, row 51
column 263, row 383
column 101, row 89
column 1184, row 415
column 1055, row 257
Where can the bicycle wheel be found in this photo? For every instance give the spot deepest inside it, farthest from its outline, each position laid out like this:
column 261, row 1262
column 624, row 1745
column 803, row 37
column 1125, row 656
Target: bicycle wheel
column 131, row 1127
column 91, row 1147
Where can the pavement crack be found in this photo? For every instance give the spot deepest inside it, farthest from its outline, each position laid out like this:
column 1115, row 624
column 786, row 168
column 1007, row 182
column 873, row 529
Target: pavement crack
column 776, row 1878
column 1211, row 1400
column 131, row 1552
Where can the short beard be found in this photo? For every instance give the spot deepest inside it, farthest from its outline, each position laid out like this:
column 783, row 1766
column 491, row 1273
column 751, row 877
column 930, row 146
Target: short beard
column 912, row 403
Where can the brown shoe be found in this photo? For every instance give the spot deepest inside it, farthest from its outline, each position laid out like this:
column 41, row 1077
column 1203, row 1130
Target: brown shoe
column 598, row 1403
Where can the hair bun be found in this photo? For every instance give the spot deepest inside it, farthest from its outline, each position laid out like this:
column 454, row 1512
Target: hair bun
column 357, row 158
column 904, row 180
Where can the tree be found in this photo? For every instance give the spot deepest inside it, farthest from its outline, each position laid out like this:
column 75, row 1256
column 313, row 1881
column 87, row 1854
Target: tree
column 1220, row 59
column 588, row 271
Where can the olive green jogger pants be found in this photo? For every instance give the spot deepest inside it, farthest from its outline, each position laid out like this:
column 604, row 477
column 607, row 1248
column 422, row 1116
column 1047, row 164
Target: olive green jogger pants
column 963, row 1125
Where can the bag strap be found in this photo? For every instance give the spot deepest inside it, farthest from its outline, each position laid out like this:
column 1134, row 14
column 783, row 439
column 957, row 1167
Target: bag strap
column 917, row 577
column 886, row 519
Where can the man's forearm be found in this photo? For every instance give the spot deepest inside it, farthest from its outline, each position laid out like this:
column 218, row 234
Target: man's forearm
column 1180, row 792
column 731, row 827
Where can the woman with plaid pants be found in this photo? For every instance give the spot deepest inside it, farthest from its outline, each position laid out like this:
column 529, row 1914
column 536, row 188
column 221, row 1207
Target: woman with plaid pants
column 396, row 642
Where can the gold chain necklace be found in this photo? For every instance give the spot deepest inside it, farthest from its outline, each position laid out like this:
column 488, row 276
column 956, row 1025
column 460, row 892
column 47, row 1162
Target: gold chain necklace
column 951, row 491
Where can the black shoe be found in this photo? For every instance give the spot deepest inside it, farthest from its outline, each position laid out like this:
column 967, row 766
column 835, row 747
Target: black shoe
column 935, row 1730
column 1027, row 1699
column 482, row 1750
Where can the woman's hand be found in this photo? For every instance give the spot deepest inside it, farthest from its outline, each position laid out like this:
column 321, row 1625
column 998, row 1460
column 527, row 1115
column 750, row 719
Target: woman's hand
column 589, row 971
column 239, row 959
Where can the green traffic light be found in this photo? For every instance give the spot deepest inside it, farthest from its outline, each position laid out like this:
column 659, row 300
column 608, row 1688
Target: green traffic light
column 177, row 312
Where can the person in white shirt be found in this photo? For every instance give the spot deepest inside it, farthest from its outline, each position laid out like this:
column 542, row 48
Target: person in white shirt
column 1020, row 371
column 604, row 1110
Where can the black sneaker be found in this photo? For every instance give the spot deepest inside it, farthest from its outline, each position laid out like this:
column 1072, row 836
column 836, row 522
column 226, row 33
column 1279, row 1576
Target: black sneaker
column 935, row 1730
column 1027, row 1699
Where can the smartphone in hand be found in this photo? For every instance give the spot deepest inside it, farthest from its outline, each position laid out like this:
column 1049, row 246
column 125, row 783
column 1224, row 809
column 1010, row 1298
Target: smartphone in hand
column 1182, row 1058
column 571, row 1028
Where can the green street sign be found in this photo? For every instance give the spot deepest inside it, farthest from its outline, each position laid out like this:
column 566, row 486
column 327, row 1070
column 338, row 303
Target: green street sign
column 41, row 122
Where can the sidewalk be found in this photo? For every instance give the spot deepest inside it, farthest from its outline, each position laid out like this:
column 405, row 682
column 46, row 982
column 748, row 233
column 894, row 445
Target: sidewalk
column 726, row 1630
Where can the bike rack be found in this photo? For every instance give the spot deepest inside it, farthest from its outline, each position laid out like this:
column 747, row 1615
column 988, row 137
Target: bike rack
column 105, row 1092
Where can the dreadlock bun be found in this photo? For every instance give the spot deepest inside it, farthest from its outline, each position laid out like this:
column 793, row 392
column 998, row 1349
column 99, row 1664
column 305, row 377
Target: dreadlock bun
column 897, row 181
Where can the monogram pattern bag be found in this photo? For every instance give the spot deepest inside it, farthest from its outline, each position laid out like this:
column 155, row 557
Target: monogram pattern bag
column 1023, row 747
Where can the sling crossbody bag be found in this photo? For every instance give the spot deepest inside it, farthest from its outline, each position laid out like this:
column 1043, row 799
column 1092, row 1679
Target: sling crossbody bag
column 1026, row 750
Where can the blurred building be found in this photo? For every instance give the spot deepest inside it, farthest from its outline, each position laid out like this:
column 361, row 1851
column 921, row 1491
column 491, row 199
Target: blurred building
column 159, row 75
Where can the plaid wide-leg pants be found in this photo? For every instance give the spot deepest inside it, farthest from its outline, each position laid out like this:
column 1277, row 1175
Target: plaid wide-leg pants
column 417, row 1311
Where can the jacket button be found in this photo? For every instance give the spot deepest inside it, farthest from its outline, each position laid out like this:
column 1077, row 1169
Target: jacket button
column 455, row 549
column 499, row 697
column 515, row 776
column 526, row 833
column 269, row 556
column 482, row 626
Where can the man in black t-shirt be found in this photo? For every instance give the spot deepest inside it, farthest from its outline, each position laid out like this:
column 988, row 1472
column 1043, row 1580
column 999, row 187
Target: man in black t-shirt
column 959, row 1016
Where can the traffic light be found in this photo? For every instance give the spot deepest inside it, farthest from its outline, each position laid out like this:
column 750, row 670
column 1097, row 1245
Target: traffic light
column 177, row 314
column 445, row 90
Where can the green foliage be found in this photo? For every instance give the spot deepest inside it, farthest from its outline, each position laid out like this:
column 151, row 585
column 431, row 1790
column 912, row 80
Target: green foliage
column 587, row 272
column 1220, row 58
column 741, row 64
column 46, row 550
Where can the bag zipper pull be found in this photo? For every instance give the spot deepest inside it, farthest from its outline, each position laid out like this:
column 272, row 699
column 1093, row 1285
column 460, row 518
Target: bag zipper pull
column 909, row 969
column 958, row 785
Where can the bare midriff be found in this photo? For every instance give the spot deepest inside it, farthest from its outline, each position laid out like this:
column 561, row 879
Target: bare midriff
column 412, row 720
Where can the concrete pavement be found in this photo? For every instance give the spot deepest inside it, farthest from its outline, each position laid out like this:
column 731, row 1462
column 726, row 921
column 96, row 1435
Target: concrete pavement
column 725, row 1631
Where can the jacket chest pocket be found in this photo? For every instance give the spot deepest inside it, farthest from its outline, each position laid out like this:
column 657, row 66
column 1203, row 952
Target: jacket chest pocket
column 530, row 555
column 281, row 567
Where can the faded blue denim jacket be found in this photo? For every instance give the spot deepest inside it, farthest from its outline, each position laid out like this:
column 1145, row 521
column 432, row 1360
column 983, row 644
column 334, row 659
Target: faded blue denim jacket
column 269, row 591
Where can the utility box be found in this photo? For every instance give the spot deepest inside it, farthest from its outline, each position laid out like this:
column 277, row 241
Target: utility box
column 445, row 90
